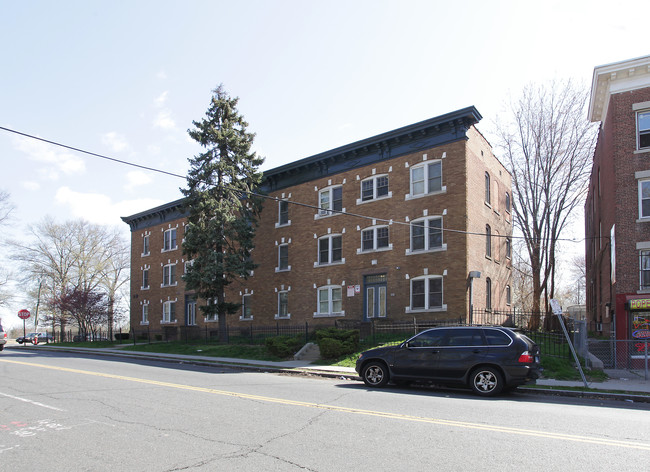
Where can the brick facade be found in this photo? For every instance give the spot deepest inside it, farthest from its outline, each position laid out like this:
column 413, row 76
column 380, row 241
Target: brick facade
column 450, row 143
column 620, row 92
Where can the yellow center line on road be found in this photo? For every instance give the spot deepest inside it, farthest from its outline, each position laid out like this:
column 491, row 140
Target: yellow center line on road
column 356, row 411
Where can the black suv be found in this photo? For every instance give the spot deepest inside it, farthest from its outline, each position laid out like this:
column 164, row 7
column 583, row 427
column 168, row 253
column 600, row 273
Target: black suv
column 486, row 359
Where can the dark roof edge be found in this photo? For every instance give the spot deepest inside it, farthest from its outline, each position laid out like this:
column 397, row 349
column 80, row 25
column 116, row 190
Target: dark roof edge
column 470, row 113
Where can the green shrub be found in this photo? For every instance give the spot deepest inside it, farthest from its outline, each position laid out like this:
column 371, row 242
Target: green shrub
column 121, row 336
column 283, row 346
column 334, row 343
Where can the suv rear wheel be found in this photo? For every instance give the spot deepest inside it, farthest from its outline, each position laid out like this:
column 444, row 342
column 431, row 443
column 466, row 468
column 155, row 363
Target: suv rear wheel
column 375, row 374
column 486, row 381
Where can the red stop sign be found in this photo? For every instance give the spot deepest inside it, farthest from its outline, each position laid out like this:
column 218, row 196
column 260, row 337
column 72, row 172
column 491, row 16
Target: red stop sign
column 24, row 314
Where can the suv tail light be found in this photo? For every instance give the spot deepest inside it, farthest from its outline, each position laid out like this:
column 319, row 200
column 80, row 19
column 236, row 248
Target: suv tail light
column 526, row 358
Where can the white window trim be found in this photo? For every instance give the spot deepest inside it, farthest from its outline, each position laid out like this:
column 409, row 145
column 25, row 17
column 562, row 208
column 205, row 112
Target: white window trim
column 143, row 287
column 167, row 303
column 361, row 201
column 317, row 314
column 426, row 250
column 162, row 285
column 374, row 229
column 277, row 223
column 409, row 309
column 277, row 268
column 277, row 315
column 142, row 321
column 329, row 213
column 148, row 253
column 638, row 131
column 425, row 164
column 328, row 264
column 641, row 218
column 165, row 237
column 243, row 316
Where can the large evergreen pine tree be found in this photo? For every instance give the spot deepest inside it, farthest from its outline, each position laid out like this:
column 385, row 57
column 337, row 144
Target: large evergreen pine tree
column 222, row 209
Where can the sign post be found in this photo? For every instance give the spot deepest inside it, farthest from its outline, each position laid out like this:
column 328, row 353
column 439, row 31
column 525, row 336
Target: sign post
column 23, row 315
column 557, row 310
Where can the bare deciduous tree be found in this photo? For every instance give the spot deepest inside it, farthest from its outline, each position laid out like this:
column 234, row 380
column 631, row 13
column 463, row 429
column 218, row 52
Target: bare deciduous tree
column 547, row 143
column 5, row 211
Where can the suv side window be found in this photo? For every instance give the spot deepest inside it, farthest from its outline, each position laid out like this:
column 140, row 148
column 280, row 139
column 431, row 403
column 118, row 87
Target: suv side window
column 428, row 338
column 465, row 337
column 496, row 337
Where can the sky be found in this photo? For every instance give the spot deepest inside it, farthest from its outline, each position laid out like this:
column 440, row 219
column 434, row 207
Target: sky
column 125, row 79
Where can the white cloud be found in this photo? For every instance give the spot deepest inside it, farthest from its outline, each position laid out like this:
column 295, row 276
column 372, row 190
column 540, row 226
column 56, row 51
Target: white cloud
column 115, row 142
column 161, row 75
column 136, row 178
column 31, row 185
column 99, row 208
column 56, row 159
column 161, row 99
column 164, row 120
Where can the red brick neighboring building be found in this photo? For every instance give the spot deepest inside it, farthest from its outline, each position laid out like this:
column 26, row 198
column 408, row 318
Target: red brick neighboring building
column 617, row 209
column 386, row 228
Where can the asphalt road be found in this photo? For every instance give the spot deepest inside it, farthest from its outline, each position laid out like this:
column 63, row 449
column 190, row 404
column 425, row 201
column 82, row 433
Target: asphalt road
column 68, row 412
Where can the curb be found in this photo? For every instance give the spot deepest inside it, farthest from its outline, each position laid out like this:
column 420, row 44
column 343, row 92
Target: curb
column 604, row 395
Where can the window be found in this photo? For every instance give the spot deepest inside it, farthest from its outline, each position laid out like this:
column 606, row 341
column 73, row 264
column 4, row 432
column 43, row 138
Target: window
column 213, row 316
column 330, row 250
column 145, row 278
column 426, row 235
column 374, row 188
column 426, row 293
column 488, row 294
column 508, row 202
column 645, row 270
column 283, row 257
column 169, row 312
column 145, row 245
column 190, row 319
column 488, row 241
column 145, row 314
column 508, row 248
column 426, row 179
column 508, row 295
column 283, row 305
column 644, row 198
column 330, row 201
column 487, row 188
column 330, row 301
column 169, row 275
column 246, row 307
column 643, row 126
column 283, row 213
column 373, row 239
column 169, row 240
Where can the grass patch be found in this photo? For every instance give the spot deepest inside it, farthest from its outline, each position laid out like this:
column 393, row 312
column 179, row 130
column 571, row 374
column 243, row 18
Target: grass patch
column 564, row 369
column 237, row 351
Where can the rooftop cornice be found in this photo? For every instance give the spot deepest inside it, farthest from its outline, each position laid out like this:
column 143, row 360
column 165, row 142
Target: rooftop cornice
column 613, row 78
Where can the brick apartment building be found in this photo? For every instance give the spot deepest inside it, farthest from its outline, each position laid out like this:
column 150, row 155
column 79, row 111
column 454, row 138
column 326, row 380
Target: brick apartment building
column 617, row 209
column 389, row 227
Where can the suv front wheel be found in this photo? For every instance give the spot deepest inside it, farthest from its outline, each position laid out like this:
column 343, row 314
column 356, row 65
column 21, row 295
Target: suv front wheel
column 375, row 374
column 486, row 381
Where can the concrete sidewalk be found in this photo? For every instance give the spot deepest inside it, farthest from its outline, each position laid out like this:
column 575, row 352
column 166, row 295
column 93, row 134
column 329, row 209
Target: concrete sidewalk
column 622, row 384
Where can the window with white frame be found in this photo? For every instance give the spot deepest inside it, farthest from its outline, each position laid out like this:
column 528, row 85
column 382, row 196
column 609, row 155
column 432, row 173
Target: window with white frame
column 374, row 188
column 508, row 295
column 374, row 239
column 283, row 304
column 644, row 272
column 169, row 312
column 487, row 189
column 330, row 201
column 426, row 235
column 283, row 213
column 644, row 198
column 187, row 265
column 190, row 315
column 426, row 178
column 426, row 293
column 643, row 129
column 145, row 279
column 145, row 313
column 330, row 249
column 145, row 245
column 283, row 257
column 169, row 275
column 246, row 307
column 212, row 316
column 330, row 300
column 169, row 240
